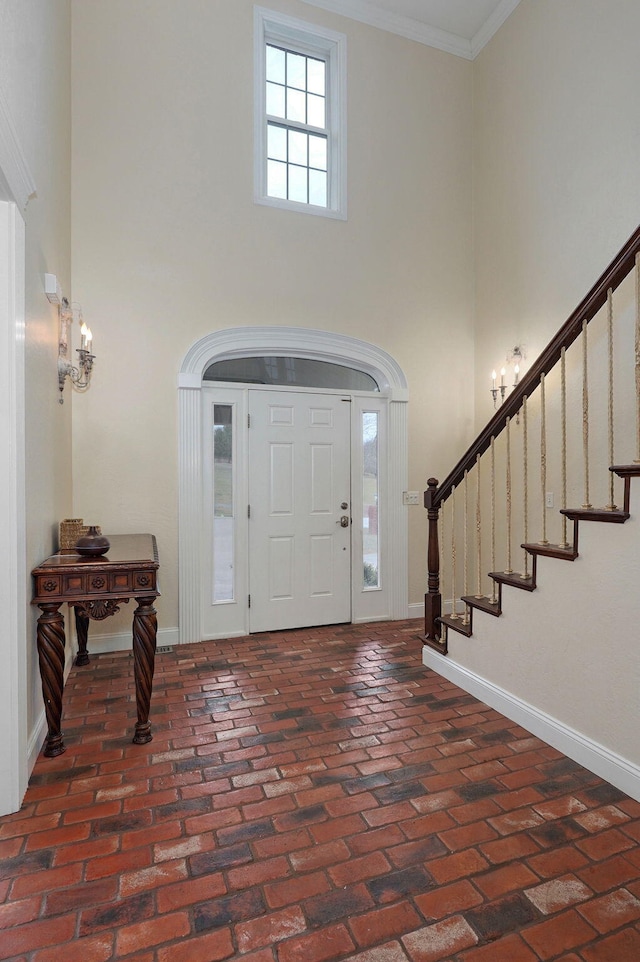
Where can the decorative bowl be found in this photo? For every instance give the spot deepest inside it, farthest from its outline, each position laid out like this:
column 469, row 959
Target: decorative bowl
column 92, row 544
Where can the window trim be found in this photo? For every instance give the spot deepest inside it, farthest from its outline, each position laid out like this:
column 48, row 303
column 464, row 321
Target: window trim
column 273, row 27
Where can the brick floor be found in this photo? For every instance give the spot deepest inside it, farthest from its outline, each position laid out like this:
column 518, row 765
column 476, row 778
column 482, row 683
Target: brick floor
column 309, row 796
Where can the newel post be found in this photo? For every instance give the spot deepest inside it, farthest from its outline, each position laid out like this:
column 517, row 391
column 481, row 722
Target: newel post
column 433, row 598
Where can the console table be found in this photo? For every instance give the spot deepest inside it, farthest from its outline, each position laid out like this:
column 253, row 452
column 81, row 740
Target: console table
column 95, row 588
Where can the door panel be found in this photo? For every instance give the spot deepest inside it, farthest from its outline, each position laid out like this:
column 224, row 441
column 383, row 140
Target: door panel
column 321, row 565
column 281, row 480
column 299, row 475
column 281, row 568
column 322, row 492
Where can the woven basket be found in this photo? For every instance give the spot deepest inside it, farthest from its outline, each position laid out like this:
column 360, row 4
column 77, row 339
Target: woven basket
column 70, row 530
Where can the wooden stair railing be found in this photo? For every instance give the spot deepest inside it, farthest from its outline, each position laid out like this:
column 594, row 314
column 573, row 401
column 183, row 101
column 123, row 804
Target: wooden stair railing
column 437, row 493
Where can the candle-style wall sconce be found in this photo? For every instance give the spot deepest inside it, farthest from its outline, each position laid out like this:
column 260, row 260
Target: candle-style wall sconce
column 80, row 374
column 515, row 357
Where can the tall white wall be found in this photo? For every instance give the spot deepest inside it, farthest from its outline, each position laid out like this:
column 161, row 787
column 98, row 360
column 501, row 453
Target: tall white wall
column 169, row 246
column 35, row 80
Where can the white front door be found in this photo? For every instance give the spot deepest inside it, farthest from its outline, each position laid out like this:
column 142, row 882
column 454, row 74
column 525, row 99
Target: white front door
column 300, row 510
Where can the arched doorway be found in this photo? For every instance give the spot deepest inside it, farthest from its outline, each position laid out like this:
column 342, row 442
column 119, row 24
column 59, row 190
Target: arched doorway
column 294, row 343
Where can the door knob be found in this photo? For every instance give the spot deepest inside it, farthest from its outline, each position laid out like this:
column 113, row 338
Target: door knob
column 344, row 521
column 344, row 505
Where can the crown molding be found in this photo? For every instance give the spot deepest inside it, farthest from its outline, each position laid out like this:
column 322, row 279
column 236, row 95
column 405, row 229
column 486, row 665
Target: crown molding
column 412, row 29
column 13, row 163
column 491, row 26
column 394, row 23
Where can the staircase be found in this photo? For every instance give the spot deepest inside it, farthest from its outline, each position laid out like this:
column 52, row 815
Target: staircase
column 586, row 382
column 551, row 645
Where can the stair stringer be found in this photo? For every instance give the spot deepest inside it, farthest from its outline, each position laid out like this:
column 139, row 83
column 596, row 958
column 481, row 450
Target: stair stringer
column 569, row 651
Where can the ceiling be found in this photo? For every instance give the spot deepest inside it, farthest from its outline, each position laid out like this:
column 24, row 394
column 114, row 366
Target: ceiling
column 461, row 27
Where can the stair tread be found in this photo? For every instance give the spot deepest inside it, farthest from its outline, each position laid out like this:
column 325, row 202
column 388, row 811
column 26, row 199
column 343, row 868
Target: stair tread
column 626, row 470
column 550, row 550
column 596, row 514
column 514, row 579
column 483, row 604
column 456, row 624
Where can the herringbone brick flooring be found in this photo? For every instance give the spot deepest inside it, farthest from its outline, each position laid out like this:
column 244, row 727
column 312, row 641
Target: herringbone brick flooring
column 312, row 795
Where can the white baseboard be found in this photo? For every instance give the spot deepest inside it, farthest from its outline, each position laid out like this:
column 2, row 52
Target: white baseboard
column 121, row 641
column 36, row 741
column 615, row 769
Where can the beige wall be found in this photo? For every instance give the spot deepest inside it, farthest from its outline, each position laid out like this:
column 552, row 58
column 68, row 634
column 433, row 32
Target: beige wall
column 35, row 80
column 556, row 174
column 556, row 187
column 169, row 246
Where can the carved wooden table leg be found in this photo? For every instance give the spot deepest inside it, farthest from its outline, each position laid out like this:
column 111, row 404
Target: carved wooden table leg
column 82, row 634
column 144, row 652
column 50, row 641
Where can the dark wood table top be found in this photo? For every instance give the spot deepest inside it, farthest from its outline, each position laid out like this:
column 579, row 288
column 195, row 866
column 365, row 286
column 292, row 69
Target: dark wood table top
column 124, row 548
column 128, row 568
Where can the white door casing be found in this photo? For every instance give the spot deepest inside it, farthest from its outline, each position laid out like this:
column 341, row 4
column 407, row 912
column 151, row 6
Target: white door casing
column 13, row 574
column 299, row 494
column 16, row 187
column 224, row 523
column 293, row 342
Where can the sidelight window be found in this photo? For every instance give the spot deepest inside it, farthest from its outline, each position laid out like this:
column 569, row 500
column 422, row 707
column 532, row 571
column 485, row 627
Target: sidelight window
column 370, row 499
column 223, row 506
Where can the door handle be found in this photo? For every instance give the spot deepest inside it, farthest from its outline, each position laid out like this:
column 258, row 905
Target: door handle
column 344, row 521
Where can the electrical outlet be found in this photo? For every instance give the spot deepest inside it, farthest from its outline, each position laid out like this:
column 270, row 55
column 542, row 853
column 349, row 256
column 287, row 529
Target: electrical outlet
column 411, row 497
column 548, row 500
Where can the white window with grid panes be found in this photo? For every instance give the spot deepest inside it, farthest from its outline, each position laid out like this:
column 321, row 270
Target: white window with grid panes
column 300, row 115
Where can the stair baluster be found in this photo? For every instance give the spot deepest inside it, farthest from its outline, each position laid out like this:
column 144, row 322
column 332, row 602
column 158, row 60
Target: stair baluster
column 525, row 484
column 637, row 359
column 563, row 454
column 465, row 619
column 543, row 461
column 508, row 569
column 454, row 612
column 611, row 506
column 493, row 517
column 478, row 531
column 585, row 415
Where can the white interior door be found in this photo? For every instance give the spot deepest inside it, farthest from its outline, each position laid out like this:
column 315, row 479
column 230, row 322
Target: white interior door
column 300, row 510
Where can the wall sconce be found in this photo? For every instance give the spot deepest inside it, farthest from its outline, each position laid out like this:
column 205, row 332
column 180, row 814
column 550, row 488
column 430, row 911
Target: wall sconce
column 515, row 357
column 79, row 376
